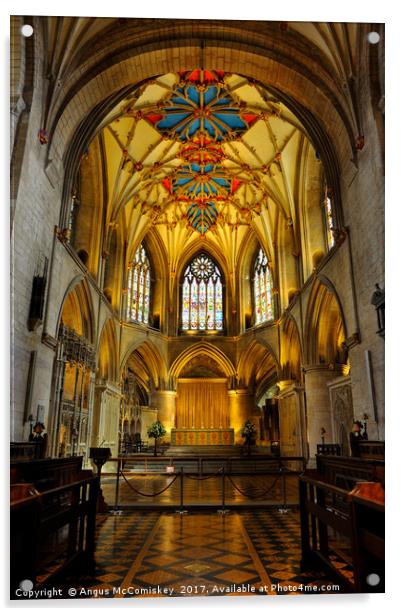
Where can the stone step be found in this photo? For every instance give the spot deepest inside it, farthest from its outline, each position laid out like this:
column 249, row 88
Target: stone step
column 204, row 450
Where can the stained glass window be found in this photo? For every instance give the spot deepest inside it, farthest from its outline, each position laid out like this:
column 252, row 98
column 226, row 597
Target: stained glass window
column 138, row 299
column 263, row 289
column 329, row 218
column 202, row 296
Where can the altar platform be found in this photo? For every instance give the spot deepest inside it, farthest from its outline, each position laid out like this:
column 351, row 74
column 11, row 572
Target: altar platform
column 202, row 436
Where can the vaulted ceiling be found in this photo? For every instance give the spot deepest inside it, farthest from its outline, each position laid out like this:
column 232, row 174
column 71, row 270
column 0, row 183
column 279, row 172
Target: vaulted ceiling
column 205, row 158
column 201, row 155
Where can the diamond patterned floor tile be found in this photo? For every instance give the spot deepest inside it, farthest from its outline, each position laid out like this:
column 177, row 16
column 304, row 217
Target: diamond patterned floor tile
column 203, row 549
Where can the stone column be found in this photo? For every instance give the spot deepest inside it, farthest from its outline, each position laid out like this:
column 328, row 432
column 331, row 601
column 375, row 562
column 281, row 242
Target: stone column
column 99, row 389
column 164, row 401
column 91, row 403
column 241, row 407
column 291, row 402
column 318, row 408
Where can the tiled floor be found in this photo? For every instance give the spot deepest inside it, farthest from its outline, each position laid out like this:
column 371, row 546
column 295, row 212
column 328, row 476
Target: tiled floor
column 142, row 554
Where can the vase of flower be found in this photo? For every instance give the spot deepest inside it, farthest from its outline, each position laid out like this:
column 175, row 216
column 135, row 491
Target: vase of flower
column 156, row 430
column 248, row 433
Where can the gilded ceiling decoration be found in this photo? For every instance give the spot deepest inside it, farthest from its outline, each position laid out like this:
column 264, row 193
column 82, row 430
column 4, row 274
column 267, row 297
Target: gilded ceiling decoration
column 199, row 149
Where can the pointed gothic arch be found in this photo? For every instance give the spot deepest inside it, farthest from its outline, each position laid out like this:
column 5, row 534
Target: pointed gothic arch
column 290, row 350
column 108, row 353
column 202, row 295
column 206, row 348
column 325, row 328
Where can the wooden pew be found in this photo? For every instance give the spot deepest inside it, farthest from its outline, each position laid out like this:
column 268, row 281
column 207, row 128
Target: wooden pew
column 338, row 505
column 52, row 531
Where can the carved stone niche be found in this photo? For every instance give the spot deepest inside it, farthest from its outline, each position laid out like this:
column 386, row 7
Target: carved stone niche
column 342, row 411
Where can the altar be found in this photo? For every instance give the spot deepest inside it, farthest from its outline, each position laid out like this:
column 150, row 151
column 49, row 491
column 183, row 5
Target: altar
column 202, row 436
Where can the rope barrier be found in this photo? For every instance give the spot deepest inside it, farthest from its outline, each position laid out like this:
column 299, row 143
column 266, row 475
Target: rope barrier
column 252, row 497
column 148, row 495
column 197, row 478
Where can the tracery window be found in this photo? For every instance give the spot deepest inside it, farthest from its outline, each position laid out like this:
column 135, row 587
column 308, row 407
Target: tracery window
column 202, row 295
column 138, row 296
column 263, row 289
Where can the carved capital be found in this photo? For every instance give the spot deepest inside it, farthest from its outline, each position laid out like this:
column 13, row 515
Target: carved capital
column 352, row 341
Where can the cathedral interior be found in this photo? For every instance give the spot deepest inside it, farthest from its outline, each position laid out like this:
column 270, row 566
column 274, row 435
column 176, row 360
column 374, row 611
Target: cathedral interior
column 197, row 232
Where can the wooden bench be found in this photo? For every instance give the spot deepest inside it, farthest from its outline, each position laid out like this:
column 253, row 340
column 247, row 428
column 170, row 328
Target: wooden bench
column 329, row 513
column 52, row 531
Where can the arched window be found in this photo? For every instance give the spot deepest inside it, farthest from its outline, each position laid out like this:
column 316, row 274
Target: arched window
column 329, row 217
column 202, row 295
column 263, row 287
column 138, row 299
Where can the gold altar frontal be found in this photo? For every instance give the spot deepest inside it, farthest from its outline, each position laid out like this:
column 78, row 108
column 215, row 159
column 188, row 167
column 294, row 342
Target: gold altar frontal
column 202, row 436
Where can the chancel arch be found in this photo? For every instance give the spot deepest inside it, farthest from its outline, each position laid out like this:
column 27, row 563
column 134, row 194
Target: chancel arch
column 202, row 376
column 205, row 348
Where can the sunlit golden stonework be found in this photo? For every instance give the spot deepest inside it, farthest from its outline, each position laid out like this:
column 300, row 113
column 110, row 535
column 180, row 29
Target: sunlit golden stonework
column 197, row 269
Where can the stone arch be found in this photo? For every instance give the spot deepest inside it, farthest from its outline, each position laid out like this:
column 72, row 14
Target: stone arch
column 150, row 360
column 202, row 348
column 290, row 350
column 108, row 353
column 256, row 365
column 76, row 309
column 325, row 328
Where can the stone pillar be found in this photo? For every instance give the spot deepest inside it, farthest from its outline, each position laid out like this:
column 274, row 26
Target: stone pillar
column 164, row 401
column 99, row 390
column 241, row 408
column 148, row 416
column 91, row 403
column 318, row 409
column 291, row 402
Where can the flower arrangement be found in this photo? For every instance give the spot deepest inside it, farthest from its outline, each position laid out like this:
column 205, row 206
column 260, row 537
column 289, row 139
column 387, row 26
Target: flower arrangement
column 156, row 430
column 248, row 430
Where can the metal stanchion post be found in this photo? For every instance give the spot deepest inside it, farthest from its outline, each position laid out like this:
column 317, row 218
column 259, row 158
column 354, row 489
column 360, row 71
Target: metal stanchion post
column 223, row 510
column 181, row 510
column 283, row 508
column 116, row 510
